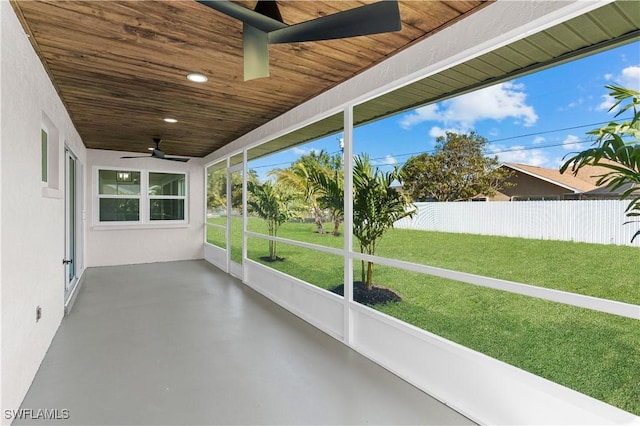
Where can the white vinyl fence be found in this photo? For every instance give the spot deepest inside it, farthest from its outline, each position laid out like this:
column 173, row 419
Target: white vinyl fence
column 589, row 221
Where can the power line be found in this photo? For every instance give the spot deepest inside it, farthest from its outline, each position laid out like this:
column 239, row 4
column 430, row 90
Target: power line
column 526, row 148
column 549, row 131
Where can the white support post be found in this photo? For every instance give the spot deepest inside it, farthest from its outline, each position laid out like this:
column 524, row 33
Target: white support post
column 244, row 212
column 228, row 232
column 348, row 222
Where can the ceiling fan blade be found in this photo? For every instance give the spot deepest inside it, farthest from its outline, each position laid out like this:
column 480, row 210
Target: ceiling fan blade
column 184, row 160
column 139, row 156
column 269, row 8
column 256, row 53
column 263, row 22
column 375, row 18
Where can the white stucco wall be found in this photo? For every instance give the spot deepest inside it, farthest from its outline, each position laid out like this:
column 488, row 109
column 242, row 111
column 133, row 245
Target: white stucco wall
column 32, row 247
column 123, row 245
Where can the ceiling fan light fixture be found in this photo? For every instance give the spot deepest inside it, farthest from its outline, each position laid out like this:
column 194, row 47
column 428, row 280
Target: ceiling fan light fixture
column 197, row 77
column 170, row 120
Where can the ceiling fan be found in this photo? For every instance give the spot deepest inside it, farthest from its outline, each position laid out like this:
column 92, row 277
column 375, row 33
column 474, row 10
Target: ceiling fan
column 157, row 153
column 264, row 25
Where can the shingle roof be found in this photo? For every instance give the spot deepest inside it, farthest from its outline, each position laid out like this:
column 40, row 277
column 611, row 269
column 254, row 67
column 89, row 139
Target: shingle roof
column 583, row 181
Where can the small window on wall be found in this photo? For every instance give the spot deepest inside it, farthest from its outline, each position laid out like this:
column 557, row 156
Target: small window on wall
column 118, row 196
column 44, row 141
column 49, row 141
column 167, row 194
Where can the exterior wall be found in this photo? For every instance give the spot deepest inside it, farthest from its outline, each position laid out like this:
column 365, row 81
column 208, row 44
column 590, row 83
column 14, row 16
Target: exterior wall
column 32, row 224
column 121, row 244
column 529, row 186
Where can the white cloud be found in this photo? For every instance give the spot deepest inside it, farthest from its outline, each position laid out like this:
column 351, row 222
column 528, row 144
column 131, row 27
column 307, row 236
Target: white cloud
column 498, row 102
column 299, row 151
column 304, row 151
column 388, row 160
column 437, row 131
column 629, row 77
column 606, row 104
column 572, row 143
column 420, row 115
column 538, row 140
column 573, row 104
column 519, row 154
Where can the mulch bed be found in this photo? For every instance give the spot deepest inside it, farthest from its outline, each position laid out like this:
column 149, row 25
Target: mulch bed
column 270, row 260
column 376, row 295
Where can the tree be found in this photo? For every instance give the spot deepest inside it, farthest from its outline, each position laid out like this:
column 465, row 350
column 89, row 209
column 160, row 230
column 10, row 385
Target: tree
column 217, row 190
column 299, row 176
column 330, row 188
column 458, row 169
column 273, row 204
column 376, row 206
column 618, row 144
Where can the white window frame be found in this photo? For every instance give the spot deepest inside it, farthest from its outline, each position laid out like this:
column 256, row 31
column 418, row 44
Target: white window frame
column 52, row 157
column 97, row 197
column 150, row 197
column 44, row 155
column 144, row 217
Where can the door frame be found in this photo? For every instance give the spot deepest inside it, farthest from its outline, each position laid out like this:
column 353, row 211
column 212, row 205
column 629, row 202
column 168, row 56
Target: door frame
column 73, row 238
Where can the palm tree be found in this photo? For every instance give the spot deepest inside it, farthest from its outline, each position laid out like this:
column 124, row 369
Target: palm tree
column 330, row 188
column 619, row 145
column 273, row 205
column 298, row 178
column 376, row 206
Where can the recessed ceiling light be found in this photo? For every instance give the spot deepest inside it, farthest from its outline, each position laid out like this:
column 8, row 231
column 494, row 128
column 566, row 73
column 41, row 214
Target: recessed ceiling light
column 197, row 77
column 170, row 120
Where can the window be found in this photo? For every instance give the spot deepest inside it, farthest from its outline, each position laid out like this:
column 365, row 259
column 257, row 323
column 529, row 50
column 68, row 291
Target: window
column 49, row 158
column 45, row 153
column 167, row 196
column 121, row 197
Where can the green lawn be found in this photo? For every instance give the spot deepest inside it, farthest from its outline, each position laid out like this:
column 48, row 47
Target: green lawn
column 595, row 353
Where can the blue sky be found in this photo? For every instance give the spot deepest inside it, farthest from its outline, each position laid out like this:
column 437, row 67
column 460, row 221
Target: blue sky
column 535, row 119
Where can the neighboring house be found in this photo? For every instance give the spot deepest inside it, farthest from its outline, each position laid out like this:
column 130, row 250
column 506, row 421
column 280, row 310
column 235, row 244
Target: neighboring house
column 541, row 183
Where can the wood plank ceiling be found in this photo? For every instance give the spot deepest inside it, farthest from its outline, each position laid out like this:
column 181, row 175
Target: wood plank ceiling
column 120, row 66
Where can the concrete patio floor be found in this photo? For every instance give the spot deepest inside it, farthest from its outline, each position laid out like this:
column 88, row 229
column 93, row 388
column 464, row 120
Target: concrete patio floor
column 184, row 343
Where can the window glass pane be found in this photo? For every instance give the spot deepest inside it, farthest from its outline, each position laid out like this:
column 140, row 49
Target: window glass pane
column 172, row 209
column 119, row 209
column 44, row 151
column 118, row 182
column 167, row 184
